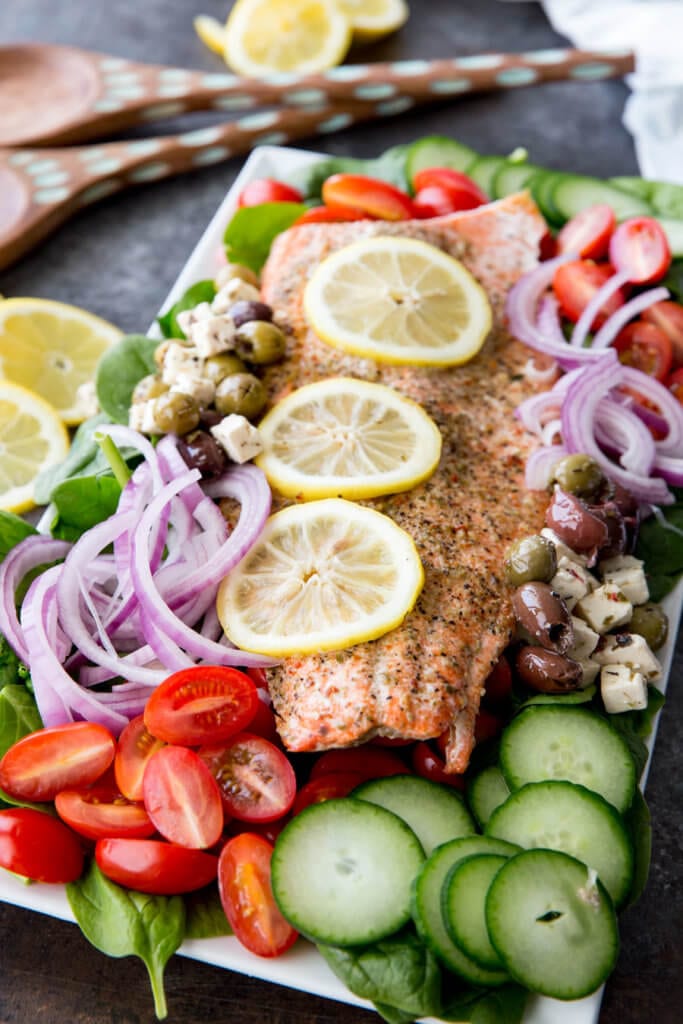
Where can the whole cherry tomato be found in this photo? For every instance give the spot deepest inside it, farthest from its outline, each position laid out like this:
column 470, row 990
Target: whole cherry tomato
column 378, row 198
column 462, row 191
column 247, row 897
column 182, row 798
column 575, row 283
column 154, row 866
column 430, row 765
column 326, row 787
column 202, row 704
column 588, row 233
column 41, row 764
column 498, row 684
column 268, row 190
column 38, row 846
column 368, row 761
column 645, row 347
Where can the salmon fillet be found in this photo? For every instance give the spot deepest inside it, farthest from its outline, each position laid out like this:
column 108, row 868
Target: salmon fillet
column 427, row 675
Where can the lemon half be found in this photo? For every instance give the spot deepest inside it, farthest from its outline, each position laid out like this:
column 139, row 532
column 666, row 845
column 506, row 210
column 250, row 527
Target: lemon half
column 398, row 300
column 264, row 37
column 322, row 576
column 52, row 349
column 347, row 438
column 32, row 438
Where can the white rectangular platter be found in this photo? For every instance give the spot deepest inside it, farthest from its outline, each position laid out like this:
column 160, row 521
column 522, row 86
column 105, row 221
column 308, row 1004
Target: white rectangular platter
column 301, row 968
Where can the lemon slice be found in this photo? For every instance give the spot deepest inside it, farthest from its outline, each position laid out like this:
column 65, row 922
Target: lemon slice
column 398, row 300
column 302, row 36
column 347, row 438
column 32, row 438
column 372, row 19
column 322, row 576
column 53, row 349
column 211, row 32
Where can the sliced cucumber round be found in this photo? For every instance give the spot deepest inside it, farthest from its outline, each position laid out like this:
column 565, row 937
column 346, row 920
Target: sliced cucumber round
column 434, row 813
column 513, row 177
column 484, row 170
column 553, row 742
column 438, row 151
column 342, row 871
column 486, row 791
column 573, row 193
column 463, row 906
column 426, row 905
column 553, row 924
column 572, row 819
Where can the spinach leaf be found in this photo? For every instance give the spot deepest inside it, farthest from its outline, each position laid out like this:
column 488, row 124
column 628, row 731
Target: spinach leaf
column 12, row 670
column 83, row 451
column 205, row 917
column 120, row 922
column 119, row 370
column 389, row 166
column 637, row 821
column 393, row 1015
column 398, row 971
column 674, row 280
column 660, row 545
column 202, row 291
column 83, row 502
column 250, row 234
column 12, row 531
column 19, row 715
column 503, row 1005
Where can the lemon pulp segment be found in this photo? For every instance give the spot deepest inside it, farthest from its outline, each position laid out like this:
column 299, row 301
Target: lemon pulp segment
column 32, row 438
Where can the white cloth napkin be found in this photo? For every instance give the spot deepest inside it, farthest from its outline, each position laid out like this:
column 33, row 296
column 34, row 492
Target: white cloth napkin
column 653, row 29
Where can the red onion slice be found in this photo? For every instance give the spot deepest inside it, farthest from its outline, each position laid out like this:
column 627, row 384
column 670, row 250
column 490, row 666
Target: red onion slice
column 540, row 465
column 618, row 428
column 28, row 554
column 628, row 311
column 669, row 406
column 602, row 295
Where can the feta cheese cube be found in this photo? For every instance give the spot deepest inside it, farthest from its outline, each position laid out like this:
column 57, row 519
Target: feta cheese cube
column 234, row 291
column 585, row 640
column 86, row 398
column 230, row 271
column 561, row 549
column 201, row 389
column 627, row 573
column 238, row 437
column 589, row 672
column 622, row 689
column 605, row 608
column 187, row 317
column 213, row 335
column 141, row 417
column 572, row 581
column 179, row 359
column 632, row 650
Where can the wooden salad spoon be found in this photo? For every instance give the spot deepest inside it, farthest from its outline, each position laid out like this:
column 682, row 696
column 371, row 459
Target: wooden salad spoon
column 60, row 94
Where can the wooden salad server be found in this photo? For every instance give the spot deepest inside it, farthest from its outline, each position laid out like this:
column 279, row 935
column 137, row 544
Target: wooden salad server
column 60, row 94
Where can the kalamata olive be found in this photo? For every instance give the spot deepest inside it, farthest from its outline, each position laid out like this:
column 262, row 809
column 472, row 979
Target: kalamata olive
column 260, row 342
column 548, row 671
column 241, row 393
column 223, row 365
column 209, row 418
column 232, row 270
column 573, row 522
column 148, row 387
column 649, row 621
column 542, row 615
column 531, row 558
column 579, row 474
column 246, row 310
column 616, row 541
column 630, row 511
column 201, row 451
column 176, row 413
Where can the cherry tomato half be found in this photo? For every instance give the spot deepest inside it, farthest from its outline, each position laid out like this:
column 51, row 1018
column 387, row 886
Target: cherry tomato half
column 429, row 765
column 41, row 764
column 378, row 198
column 267, row 190
column 326, row 787
column 368, row 761
column 38, row 846
column 640, row 247
column 463, row 192
column 182, row 798
column 675, row 384
column 155, row 867
column 432, row 201
column 668, row 316
column 588, row 233
column 247, row 897
column 645, row 347
column 134, row 749
column 202, row 704
column 256, row 781
column 331, row 214
column 575, row 283
column 263, row 722
column 101, row 812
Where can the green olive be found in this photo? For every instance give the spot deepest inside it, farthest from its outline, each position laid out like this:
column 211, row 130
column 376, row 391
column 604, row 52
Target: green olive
column 260, row 342
column 160, row 352
column 531, row 559
column 579, row 475
column 232, row 270
column 649, row 621
column 217, row 368
column 176, row 413
column 242, row 393
column 148, row 387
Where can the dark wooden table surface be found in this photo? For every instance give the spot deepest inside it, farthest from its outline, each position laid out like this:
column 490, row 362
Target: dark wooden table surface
column 118, row 260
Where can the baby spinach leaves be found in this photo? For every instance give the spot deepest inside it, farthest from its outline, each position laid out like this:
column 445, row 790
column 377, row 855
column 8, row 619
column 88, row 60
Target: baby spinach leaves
column 119, row 370
column 205, row 915
column 120, row 922
column 660, row 545
column 202, row 291
column 250, row 234
column 19, row 715
column 12, row 531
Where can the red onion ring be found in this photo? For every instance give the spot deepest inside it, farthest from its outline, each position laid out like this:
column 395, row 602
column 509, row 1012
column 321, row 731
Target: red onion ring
column 28, row 554
column 628, row 311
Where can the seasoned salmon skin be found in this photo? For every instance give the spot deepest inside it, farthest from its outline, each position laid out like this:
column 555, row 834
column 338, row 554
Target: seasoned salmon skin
column 427, row 675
